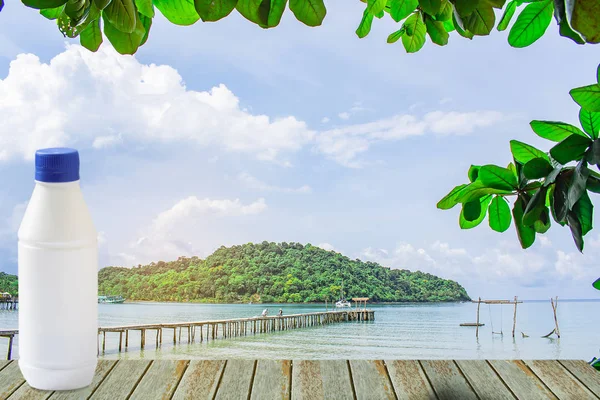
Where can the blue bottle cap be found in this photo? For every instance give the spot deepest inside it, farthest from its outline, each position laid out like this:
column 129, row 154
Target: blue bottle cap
column 59, row 164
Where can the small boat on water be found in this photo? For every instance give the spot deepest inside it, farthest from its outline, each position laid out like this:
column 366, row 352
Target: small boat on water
column 471, row 324
column 342, row 302
column 110, row 300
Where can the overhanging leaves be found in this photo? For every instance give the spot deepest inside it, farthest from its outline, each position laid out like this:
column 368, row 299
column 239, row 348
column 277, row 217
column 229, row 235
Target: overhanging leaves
column 496, row 177
column 587, row 97
column 481, row 21
column 523, row 152
column 499, row 214
column 431, row 7
column 525, row 233
column 450, row 200
column 535, row 206
column 121, row 15
column 464, row 224
column 310, row 12
column 214, row 10
column 91, row 37
column 365, row 24
column 555, row 131
column 584, row 209
column 436, row 31
column 590, row 122
column 531, row 23
column 400, row 9
column 414, row 36
column 471, row 210
column 40, row 4
column 537, row 168
column 570, row 149
column 507, row 16
column 576, row 229
column 179, row 12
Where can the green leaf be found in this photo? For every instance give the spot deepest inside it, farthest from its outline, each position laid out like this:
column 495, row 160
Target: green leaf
column 560, row 196
column 464, row 224
column 376, row 6
column 593, row 184
column 178, row 12
column 523, row 152
column 499, row 214
column 214, row 10
column 124, row 43
column 587, row 97
column 66, row 28
column 578, row 185
column 471, row 210
column 531, row 23
column 585, row 19
column 101, row 4
column 393, row 38
column 310, row 12
column 576, row 229
column 414, row 36
column 436, row 31
column 565, row 30
column 52, row 13
column 400, row 9
column 481, row 21
column 449, row 25
column 552, row 176
column 477, row 190
column 445, row 13
column 450, row 200
column 365, row 24
column 596, row 284
column 431, row 7
column 91, row 36
column 543, row 223
column 77, row 10
column 466, row 7
column 507, row 16
column 571, row 149
column 590, row 122
column 555, row 131
column 41, row 4
column 525, row 233
column 459, row 25
column 121, row 14
column 535, row 206
column 499, row 4
column 473, row 172
column 537, row 168
column 147, row 24
column 493, row 176
column 145, row 8
column 584, row 209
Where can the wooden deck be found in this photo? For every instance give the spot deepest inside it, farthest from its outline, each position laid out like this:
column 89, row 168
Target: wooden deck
column 336, row 379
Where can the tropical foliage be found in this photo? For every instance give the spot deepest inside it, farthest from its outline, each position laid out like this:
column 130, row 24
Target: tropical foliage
column 9, row 283
column 273, row 272
column 126, row 23
column 557, row 183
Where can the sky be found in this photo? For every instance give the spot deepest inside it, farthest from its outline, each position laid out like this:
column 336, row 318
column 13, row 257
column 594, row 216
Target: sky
column 225, row 133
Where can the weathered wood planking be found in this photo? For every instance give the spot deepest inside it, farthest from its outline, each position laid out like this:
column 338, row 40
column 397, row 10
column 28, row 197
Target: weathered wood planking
column 447, row 380
column 484, row 380
column 26, row 392
column 10, row 379
column 521, row 380
column 371, row 380
column 329, row 379
column 272, row 380
column 200, row 380
column 585, row 373
column 236, row 380
column 102, row 370
column 160, row 380
column 559, row 380
column 121, row 380
column 409, row 380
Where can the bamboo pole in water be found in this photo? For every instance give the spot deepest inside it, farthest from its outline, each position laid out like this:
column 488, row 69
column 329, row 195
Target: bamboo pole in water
column 515, row 318
column 477, row 320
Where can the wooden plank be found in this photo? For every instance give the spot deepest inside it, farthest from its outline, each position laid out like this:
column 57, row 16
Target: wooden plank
column 272, row 380
column 200, row 380
column 122, row 380
column 10, row 379
column 559, row 380
column 585, row 373
column 102, row 370
column 160, row 380
column 484, row 380
column 26, row 392
column 447, row 380
column 371, row 379
column 521, row 380
column 409, row 380
column 4, row 363
column 236, row 380
column 327, row 379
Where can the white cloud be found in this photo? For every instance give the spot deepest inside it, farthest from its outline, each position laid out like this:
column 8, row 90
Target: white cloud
column 446, row 100
column 344, row 144
column 324, row 120
column 344, row 115
column 44, row 105
column 326, row 246
column 255, row 183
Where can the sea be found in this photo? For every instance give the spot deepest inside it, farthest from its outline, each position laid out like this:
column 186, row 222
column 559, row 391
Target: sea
column 399, row 331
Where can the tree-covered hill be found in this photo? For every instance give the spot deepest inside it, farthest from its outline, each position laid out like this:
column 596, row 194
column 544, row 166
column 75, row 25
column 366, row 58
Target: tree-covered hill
column 274, row 272
column 9, row 283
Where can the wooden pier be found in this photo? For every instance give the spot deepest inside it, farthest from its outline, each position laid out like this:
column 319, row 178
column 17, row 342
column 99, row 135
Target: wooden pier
column 9, row 303
column 200, row 331
column 325, row 379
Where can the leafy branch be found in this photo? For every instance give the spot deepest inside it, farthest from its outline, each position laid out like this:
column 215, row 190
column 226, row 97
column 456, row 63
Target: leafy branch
column 127, row 23
column 554, row 184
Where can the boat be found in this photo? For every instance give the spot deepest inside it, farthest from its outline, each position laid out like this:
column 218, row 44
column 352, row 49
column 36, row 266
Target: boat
column 342, row 302
column 471, row 324
column 110, row 300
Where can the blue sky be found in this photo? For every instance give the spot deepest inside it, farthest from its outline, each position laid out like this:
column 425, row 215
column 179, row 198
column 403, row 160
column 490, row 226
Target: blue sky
column 223, row 133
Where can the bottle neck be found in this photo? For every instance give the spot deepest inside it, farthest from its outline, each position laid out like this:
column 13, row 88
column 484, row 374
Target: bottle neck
column 58, row 185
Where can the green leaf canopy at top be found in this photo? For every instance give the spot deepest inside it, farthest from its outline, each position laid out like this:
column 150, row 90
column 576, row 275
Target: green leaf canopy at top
column 496, row 177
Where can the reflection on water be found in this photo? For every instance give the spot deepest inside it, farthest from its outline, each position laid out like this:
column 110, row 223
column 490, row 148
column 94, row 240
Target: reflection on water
column 406, row 331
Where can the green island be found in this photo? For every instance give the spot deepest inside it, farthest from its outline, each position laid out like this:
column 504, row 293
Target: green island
column 274, row 272
column 9, row 283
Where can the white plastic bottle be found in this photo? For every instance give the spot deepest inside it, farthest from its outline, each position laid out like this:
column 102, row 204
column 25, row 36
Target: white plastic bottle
column 58, row 278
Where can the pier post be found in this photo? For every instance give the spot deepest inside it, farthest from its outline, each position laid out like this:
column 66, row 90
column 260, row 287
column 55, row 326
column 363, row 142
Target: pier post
column 477, row 320
column 126, row 338
column 10, row 343
column 120, row 340
column 514, row 318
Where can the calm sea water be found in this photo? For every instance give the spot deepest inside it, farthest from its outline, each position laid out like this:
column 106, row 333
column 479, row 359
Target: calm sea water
column 407, row 331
